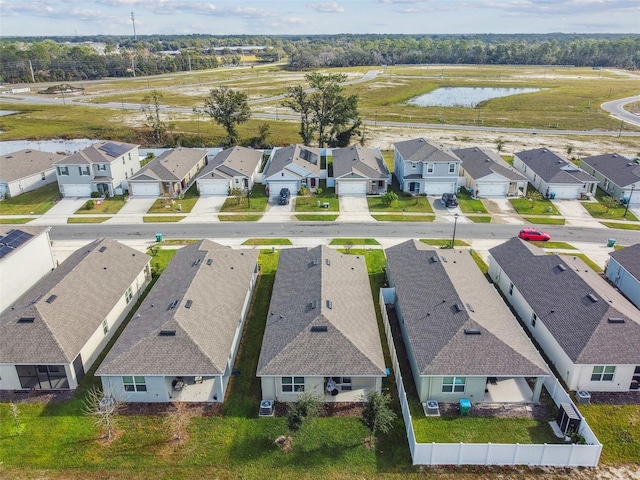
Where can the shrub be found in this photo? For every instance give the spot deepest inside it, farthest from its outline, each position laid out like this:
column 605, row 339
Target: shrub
column 95, row 195
column 319, row 191
column 303, row 191
column 90, row 205
column 389, row 197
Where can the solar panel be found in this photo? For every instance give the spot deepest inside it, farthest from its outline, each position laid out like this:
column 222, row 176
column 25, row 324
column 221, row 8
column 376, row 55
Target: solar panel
column 4, row 250
column 15, row 238
column 113, row 149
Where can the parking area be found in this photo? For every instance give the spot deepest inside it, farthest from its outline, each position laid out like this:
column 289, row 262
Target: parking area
column 59, row 213
column 354, row 208
column 133, row 210
column 575, row 214
column 207, row 208
column 279, row 213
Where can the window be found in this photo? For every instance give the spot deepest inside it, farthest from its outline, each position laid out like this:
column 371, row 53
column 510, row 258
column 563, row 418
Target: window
column 452, row 168
column 535, row 177
column 128, row 295
column 124, row 161
column 603, row 374
column 413, row 165
column 534, row 317
column 429, row 167
column 105, row 327
column 511, row 289
column 126, row 175
column 83, row 171
column 453, row 384
column 293, row 384
column 64, row 171
column 134, row 384
column 101, row 167
column 43, row 176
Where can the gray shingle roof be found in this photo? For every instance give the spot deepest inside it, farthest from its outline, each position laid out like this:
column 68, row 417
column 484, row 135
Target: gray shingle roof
column 172, row 166
column 95, row 154
column 321, row 287
column 560, row 298
column 421, row 150
column 552, row 168
column 629, row 258
column 300, row 155
column 618, row 169
column 359, row 161
column 87, row 287
column 17, row 165
column 236, row 161
column 479, row 163
column 205, row 331
column 429, row 284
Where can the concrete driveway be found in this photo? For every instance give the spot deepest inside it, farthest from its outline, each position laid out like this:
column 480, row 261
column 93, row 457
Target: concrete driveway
column 444, row 214
column 133, row 210
column 502, row 211
column 206, row 209
column 59, row 213
column 354, row 208
column 279, row 213
column 575, row 214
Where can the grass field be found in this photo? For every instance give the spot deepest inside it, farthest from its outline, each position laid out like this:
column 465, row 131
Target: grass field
column 404, row 218
column 162, row 218
column 15, row 221
column 468, row 204
column 524, row 206
column 87, row 219
column 256, row 203
column 170, row 205
column 310, row 217
column 601, row 211
column 622, row 226
column 109, row 205
column 267, row 241
column 35, row 202
column 404, row 203
column 354, row 241
column 239, row 218
column 309, row 203
column 440, row 242
column 545, row 220
column 480, row 218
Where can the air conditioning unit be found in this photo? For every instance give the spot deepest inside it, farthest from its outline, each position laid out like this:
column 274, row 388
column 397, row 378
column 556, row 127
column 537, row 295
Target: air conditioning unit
column 583, row 396
column 266, row 408
column 431, row 408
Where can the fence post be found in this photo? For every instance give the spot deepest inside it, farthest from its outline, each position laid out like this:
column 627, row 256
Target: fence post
column 487, row 458
column 515, row 454
column 460, row 452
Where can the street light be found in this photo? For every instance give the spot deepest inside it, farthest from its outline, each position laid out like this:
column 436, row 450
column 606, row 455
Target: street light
column 626, row 208
column 455, row 224
column 249, row 199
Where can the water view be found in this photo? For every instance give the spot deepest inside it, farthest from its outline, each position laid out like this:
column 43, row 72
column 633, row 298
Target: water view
column 463, row 96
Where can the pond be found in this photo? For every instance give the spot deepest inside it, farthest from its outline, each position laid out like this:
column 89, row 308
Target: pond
column 464, row 96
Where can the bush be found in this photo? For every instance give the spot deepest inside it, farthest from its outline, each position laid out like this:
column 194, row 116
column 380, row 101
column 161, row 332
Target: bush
column 389, row 197
column 90, row 205
column 303, row 191
column 319, row 191
column 95, row 195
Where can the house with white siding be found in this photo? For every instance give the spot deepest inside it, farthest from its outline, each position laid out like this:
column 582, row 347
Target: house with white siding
column 292, row 167
column 623, row 270
column 25, row 171
column 617, row 175
column 234, row 167
column 359, row 170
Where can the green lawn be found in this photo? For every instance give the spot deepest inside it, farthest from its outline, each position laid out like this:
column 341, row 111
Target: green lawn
column 468, row 204
column 15, row 221
column 354, row 241
column 256, row 203
column 162, row 218
column 267, row 241
column 87, row 219
column 443, row 242
column 618, row 429
column 310, row 217
column 593, row 265
column 622, row 226
column 405, row 203
column 599, row 210
column 404, row 218
column 524, row 206
column 108, row 205
column 480, row 218
column 554, row 245
column 239, row 218
column 35, row 202
column 183, row 205
column 309, row 203
column 545, row 220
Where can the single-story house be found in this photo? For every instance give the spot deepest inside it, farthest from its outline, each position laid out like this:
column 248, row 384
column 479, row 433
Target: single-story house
column 423, row 167
column 359, row 170
column 322, row 334
column 623, row 269
column 26, row 170
column 292, row 167
column 586, row 328
column 234, row 167
column 53, row 333
column 171, row 173
column 104, row 167
column 183, row 340
column 488, row 175
column 461, row 339
column 553, row 176
column 617, row 175
column 25, row 257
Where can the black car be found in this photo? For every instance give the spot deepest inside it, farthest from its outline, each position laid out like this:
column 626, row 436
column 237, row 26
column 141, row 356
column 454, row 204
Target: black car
column 283, row 196
column 449, row 200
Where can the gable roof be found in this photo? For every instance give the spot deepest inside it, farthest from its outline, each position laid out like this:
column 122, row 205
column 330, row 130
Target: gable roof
column 69, row 304
column 232, row 162
column 13, row 239
column 24, row 163
column 629, row 259
column 359, row 161
column 479, row 162
column 172, row 166
column 101, row 152
column 300, row 155
column 443, row 296
column 209, row 282
column 552, row 168
column 421, row 150
column 618, row 169
column 320, row 287
column 579, row 324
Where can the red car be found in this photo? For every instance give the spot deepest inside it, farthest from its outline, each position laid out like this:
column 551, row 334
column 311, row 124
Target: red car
column 533, row 234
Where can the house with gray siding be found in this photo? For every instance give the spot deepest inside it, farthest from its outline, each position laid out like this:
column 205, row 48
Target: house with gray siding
column 25, row 171
column 461, row 339
column 586, row 328
column 623, row 269
column 488, row 175
column 424, row 167
column 234, row 167
column 617, row 175
column 183, row 340
column 359, row 170
column 292, row 167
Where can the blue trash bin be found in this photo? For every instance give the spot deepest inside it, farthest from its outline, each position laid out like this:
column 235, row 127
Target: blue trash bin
column 158, row 237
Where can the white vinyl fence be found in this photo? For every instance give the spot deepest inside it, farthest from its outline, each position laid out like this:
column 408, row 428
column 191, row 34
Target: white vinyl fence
column 561, row 455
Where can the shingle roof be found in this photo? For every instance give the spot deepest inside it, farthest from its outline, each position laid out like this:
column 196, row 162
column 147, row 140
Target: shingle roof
column 629, row 258
column 86, row 286
column 429, row 284
column 618, row 169
column 302, row 156
column 552, row 168
column 359, row 161
column 557, row 288
column 479, row 163
column 17, row 165
column 321, row 287
column 421, row 150
column 98, row 153
column 236, row 161
column 5, row 250
column 172, row 166
column 215, row 280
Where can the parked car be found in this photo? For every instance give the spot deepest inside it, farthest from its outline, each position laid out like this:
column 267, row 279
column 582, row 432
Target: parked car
column 535, row 235
column 284, row 196
column 449, row 200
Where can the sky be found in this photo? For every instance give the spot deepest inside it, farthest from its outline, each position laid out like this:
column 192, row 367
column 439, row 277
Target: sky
column 294, row 17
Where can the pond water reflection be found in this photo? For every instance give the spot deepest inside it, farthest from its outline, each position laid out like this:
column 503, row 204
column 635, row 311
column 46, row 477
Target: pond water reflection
column 464, row 96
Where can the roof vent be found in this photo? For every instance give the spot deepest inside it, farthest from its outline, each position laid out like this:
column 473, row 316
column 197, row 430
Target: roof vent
column 329, row 304
column 197, row 262
column 470, row 307
column 188, row 304
column 433, row 259
column 167, row 333
column 319, row 328
column 327, row 261
column 562, row 267
column 51, row 298
column 615, row 320
column 102, row 249
column 26, row 319
column 592, row 297
column 315, row 261
column 314, row 304
column 472, row 331
column 458, row 307
column 173, row 305
column 209, row 261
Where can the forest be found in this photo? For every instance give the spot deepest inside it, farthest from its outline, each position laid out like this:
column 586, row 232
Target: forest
column 37, row 59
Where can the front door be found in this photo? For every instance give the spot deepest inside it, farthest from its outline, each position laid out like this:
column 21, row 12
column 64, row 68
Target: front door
column 635, row 380
column 78, row 368
column 414, row 187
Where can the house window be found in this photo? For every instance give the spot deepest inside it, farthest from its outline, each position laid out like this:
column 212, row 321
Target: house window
column 124, row 161
column 534, row 317
column 429, row 167
column 342, row 384
column 535, row 177
column 525, row 169
column 83, row 171
column 511, row 289
column 134, row 384
column 43, row 176
column 129, row 155
column 452, row 168
column 105, row 327
column 603, row 373
column 63, row 171
column 453, row 384
column 128, row 295
column 126, row 175
column 293, row 384
column 101, row 167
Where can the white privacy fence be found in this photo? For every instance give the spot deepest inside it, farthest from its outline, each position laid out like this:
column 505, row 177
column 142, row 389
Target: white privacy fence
column 557, row 455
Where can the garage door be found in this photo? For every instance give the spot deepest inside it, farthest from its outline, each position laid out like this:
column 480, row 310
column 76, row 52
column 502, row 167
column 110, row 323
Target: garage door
column 213, row 188
column 564, row 192
column 275, row 187
column 145, row 189
column 492, row 189
column 77, row 190
column 352, row 188
column 439, row 188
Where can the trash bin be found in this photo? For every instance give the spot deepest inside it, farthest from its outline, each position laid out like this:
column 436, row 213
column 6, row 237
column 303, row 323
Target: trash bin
column 552, row 195
column 465, row 406
column 158, row 237
column 611, row 242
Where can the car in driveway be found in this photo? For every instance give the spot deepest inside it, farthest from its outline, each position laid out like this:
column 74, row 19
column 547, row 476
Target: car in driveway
column 284, row 196
column 534, row 235
column 449, row 200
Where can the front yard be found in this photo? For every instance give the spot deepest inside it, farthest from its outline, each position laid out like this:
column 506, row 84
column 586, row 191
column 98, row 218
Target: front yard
column 35, row 202
column 526, row 206
column 256, row 203
column 613, row 211
column 315, row 202
column 109, row 205
column 468, row 204
column 405, row 202
column 181, row 204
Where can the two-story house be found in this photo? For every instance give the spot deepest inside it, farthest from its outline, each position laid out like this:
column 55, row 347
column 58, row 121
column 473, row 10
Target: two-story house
column 103, row 167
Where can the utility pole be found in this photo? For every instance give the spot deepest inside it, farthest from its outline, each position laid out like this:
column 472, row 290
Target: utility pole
column 133, row 21
column 33, row 78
